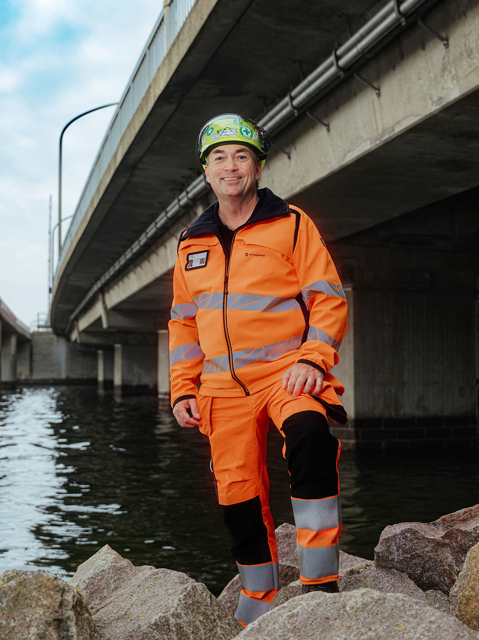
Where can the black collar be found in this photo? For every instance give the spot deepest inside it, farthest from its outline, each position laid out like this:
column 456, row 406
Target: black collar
column 268, row 207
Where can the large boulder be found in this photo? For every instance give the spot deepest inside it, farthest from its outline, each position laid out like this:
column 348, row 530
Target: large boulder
column 358, row 615
column 371, row 577
column 384, row 580
column 144, row 603
column 36, row 605
column 433, row 554
column 465, row 593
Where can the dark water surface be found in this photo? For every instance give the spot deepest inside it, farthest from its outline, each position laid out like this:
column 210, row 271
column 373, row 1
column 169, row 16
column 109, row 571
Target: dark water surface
column 79, row 470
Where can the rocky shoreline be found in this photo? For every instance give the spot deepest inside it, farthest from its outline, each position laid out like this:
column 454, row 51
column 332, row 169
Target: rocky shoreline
column 423, row 584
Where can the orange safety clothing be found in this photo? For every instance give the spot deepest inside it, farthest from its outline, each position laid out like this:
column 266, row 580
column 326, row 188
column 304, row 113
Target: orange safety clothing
column 237, row 429
column 239, row 321
column 242, row 315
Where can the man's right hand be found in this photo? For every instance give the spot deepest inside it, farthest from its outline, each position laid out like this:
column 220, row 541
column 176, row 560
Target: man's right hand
column 182, row 411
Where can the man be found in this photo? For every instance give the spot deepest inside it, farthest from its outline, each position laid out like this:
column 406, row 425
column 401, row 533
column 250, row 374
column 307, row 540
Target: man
column 258, row 316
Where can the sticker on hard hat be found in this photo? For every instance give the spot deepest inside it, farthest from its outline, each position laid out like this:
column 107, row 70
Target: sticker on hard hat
column 196, row 260
column 227, row 132
column 209, row 131
column 246, row 132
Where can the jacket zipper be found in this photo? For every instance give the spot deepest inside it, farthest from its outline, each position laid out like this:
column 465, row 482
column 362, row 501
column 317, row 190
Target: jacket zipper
column 225, row 317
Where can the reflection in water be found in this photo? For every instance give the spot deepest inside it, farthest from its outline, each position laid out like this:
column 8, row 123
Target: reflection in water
column 80, row 469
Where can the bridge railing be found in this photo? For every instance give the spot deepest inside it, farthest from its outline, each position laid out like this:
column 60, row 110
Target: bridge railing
column 6, row 312
column 167, row 27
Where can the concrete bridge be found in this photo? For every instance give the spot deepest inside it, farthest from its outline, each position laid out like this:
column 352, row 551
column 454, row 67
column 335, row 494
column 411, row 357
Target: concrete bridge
column 15, row 347
column 373, row 109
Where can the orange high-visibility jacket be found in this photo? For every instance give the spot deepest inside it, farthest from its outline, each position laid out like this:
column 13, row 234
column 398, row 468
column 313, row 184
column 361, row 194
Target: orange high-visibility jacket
column 238, row 323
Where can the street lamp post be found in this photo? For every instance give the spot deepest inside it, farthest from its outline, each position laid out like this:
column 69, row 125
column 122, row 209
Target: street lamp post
column 111, row 104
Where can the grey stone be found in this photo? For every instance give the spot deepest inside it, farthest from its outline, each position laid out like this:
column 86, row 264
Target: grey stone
column 465, row 593
column 438, row 600
column 358, row 615
column 144, row 603
column 34, row 605
column 352, row 565
column 384, row 580
column 433, row 554
column 286, row 593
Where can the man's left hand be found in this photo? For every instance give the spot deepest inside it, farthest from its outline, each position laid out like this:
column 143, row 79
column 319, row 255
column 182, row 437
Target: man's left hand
column 302, row 378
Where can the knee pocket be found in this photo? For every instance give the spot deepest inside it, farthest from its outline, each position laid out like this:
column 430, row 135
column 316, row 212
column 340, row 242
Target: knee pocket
column 307, row 428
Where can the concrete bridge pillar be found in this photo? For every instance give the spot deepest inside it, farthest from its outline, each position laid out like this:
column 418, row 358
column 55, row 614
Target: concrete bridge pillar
column 163, row 365
column 117, row 367
column 9, row 357
column 24, row 356
column 100, row 368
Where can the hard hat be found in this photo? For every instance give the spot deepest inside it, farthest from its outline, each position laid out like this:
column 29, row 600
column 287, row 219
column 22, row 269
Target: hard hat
column 231, row 128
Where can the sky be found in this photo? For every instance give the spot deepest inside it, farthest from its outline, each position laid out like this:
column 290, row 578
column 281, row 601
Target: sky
column 58, row 58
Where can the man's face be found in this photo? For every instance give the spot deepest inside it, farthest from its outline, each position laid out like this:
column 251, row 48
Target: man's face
column 232, row 170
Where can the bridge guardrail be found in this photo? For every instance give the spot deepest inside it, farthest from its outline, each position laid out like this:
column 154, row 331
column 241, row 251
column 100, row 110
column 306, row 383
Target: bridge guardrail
column 167, row 27
column 8, row 312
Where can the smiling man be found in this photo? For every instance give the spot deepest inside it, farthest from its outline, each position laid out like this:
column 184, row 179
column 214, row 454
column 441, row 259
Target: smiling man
column 258, row 317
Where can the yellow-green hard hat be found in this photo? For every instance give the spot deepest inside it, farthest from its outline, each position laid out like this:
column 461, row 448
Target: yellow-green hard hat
column 231, row 128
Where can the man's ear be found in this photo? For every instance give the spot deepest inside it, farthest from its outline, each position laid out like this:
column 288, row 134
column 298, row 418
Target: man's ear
column 206, row 173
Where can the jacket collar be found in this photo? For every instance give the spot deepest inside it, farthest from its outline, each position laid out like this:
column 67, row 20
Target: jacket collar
column 269, row 206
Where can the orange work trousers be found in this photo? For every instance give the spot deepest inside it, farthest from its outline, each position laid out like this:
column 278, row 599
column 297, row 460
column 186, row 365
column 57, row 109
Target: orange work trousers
column 237, row 429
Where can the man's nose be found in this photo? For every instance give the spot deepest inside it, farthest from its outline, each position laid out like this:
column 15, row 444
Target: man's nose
column 231, row 164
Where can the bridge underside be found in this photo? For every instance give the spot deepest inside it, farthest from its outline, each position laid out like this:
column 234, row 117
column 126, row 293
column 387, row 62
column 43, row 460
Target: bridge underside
column 393, row 187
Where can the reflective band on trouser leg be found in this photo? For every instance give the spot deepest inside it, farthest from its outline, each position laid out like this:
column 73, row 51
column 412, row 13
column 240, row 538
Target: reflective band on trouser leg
column 250, row 610
column 259, row 577
column 318, row 524
column 260, row 584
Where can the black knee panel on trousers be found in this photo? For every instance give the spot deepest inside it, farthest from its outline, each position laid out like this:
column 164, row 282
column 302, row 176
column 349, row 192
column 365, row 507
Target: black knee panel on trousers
column 311, row 454
column 245, row 523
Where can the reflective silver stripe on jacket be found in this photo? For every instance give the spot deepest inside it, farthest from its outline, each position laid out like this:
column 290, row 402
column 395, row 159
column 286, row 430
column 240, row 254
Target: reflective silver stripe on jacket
column 185, row 352
column 245, row 302
column 318, row 562
column 250, row 610
column 259, row 577
column 243, row 358
column 315, row 333
column 317, row 515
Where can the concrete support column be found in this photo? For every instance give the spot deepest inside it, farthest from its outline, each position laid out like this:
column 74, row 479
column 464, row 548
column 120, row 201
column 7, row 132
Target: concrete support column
column 24, row 358
column 163, row 365
column 117, row 367
column 100, row 368
column 10, row 358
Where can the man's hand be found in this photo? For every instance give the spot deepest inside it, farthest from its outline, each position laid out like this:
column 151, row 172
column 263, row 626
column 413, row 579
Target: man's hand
column 182, row 411
column 302, row 378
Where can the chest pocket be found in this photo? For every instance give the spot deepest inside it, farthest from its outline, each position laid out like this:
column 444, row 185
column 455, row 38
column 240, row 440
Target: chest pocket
column 202, row 261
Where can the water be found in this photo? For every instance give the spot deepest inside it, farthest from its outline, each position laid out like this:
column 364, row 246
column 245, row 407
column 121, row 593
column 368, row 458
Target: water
column 79, row 470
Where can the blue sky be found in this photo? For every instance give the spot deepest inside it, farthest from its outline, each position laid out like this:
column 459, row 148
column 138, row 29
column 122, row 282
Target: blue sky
column 58, row 58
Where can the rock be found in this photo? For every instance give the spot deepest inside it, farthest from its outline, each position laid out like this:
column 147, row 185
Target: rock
column 358, row 615
column 438, row 600
column 384, row 580
column 286, row 593
column 101, row 575
column 288, row 567
column 35, row 604
column 145, row 603
column 286, row 539
column 432, row 555
column 352, row 565
column 465, row 593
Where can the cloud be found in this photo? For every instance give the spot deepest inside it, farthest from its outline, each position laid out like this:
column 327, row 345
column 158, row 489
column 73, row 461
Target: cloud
column 58, row 59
